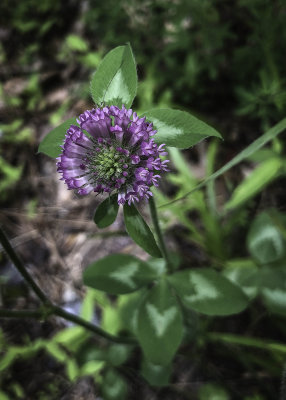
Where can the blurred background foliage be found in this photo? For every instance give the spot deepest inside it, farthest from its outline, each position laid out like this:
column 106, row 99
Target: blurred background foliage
column 223, row 61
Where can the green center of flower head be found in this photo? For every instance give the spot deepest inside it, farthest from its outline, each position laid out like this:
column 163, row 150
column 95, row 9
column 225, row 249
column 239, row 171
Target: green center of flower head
column 109, row 164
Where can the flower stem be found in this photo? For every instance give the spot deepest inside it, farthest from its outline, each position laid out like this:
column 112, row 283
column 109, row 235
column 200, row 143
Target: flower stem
column 158, row 231
column 21, row 268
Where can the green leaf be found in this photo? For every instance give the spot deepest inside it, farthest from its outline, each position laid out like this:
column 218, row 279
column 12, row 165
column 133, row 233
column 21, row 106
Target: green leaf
column 264, row 240
column 76, row 43
column 156, row 375
column 118, row 274
column 160, row 326
column 247, row 152
column 87, row 307
column 56, row 351
column 210, row 391
column 208, row 292
column 178, row 128
column 106, row 212
column 51, row 143
column 245, row 275
column 139, row 231
column 264, row 174
column 72, row 369
column 115, row 81
column 110, row 320
column 117, row 354
column 114, row 386
column 273, row 289
column 4, row 396
column 73, row 336
column 91, row 368
column 128, row 309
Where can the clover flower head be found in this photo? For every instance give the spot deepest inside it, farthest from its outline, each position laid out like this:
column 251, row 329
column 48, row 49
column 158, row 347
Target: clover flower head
column 117, row 154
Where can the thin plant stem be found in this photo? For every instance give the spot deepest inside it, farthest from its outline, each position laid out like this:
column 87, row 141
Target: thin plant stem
column 89, row 326
column 48, row 308
column 247, row 341
column 4, row 313
column 159, row 234
column 21, row 268
column 44, row 312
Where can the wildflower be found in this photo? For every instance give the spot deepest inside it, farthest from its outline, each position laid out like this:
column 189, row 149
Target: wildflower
column 112, row 151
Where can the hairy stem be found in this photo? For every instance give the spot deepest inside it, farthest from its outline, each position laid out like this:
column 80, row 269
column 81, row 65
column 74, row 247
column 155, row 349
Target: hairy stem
column 159, row 234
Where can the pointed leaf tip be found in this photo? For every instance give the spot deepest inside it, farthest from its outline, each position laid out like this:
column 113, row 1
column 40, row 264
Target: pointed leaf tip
column 179, row 129
column 115, row 81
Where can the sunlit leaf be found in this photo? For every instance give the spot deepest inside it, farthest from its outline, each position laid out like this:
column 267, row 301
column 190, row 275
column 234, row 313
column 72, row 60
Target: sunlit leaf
column 76, row 43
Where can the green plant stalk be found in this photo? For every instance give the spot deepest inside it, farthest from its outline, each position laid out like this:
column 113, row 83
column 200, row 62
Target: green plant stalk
column 21, row 268
column 159, row 234
column 89, row 326
column 248, row 151
column 48, row 308
column 4, row 313
column 44, row 312
column 247, row 341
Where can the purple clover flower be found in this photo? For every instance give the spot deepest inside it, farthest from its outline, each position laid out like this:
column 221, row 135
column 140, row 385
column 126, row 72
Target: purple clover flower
column 118, row 155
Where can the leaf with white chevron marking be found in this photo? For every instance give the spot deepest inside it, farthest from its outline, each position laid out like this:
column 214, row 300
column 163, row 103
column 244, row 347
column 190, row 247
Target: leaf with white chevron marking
column 118, row 274
column 208, row 292
column 160, row 326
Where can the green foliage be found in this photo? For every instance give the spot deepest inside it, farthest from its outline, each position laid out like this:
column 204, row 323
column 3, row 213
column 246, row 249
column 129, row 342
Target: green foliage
column 265, row 240
column 115, row 81
column 114, row 386
column 178, row 129
column 264, row 174
column 51, row 143
column 160, row 324
column 271, row 134
column 9, row 176
column 196, row 59
column 118, row 274
column 106, row 212
column 213, row 392
column 139, row 231
column 156, row 375
column 76, row 43
column 208, row 292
